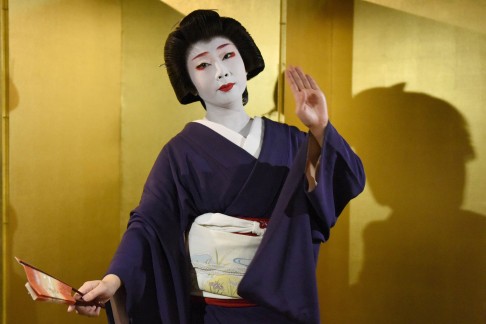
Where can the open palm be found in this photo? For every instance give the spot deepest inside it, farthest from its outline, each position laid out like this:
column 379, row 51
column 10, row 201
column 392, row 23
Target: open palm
column 310, row 102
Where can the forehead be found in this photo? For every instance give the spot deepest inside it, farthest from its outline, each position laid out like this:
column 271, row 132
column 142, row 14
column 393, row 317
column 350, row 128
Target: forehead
column 208, row 45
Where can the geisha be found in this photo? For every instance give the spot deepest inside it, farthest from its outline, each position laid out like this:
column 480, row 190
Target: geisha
column 235, row 208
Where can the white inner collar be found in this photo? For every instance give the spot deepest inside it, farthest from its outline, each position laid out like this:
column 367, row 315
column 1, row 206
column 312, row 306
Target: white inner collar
column 252, row 143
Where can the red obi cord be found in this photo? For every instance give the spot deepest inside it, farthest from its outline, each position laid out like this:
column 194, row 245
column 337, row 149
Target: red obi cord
column 262, row 221
column 223, row 302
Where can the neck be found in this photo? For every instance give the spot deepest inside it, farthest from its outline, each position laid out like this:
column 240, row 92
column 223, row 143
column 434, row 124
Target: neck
column 234, row 119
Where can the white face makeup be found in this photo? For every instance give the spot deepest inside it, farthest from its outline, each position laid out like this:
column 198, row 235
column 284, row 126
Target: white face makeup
column 217, row 71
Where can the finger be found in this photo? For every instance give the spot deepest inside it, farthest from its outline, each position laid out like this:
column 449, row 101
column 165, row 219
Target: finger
column 296, row 78
column 97, row 311
column 292, row 84
column 312, row 82
column 77, row 296
column 88, row 286
column 289, row 78
column 94, row 311
column 91, row 290
column 88, row 310
column 94, row 293
column 303, row 78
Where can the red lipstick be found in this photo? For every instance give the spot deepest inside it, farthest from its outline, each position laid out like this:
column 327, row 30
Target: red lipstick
column 226, row 87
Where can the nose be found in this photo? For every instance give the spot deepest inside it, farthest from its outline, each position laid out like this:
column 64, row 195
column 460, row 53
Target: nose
column 221, row 71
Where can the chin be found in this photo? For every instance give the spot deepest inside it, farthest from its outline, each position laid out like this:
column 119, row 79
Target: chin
column 230, row 100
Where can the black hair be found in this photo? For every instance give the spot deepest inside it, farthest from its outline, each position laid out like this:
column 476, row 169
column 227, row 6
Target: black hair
column 202, row 25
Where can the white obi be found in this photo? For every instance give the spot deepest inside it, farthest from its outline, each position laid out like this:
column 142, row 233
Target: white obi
column 220, row 256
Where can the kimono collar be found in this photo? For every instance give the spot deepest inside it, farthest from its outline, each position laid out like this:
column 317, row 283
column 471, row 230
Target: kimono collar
column 251, row 144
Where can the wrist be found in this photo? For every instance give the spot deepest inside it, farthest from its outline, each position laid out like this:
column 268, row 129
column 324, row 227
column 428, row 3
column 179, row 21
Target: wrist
column 113, row 281
column 318, row 133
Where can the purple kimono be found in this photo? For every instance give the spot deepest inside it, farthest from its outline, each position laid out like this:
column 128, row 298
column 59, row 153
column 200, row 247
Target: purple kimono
column 200, row 171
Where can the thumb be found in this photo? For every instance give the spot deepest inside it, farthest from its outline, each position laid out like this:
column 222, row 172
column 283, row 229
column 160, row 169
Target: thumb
column 92, row 290
column 93, row 294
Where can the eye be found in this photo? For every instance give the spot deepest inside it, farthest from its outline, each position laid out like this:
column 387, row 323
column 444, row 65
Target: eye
column 229, row 55
column 202, row 66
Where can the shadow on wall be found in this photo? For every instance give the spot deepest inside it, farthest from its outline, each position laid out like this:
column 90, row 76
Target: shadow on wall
column 15, row 284
column 426, row 262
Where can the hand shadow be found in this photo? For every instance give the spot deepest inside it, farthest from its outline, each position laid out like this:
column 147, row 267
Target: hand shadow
column 425, row 263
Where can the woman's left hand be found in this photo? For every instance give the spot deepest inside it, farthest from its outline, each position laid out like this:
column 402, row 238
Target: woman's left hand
column 310, row 102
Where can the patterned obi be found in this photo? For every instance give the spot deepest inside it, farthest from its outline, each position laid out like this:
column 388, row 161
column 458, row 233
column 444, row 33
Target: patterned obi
column 220, row 258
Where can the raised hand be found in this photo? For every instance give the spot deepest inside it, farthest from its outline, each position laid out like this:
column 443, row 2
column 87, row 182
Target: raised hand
column 310, row 102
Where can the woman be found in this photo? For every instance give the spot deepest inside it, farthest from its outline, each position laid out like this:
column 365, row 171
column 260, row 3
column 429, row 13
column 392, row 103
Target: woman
column 225, row 176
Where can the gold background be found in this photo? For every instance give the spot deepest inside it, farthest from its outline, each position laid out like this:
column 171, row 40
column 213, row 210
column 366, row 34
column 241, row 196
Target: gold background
column 89, row 109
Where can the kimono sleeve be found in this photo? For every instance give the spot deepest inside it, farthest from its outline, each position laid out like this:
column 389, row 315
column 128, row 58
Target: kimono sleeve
column 150, row 259
column 281, row 275
column 340, row 178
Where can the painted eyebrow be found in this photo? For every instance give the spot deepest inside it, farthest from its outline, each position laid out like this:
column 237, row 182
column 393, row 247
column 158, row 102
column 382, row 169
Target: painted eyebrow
column 223, row 45
column 199, row 55
column 204, row 53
